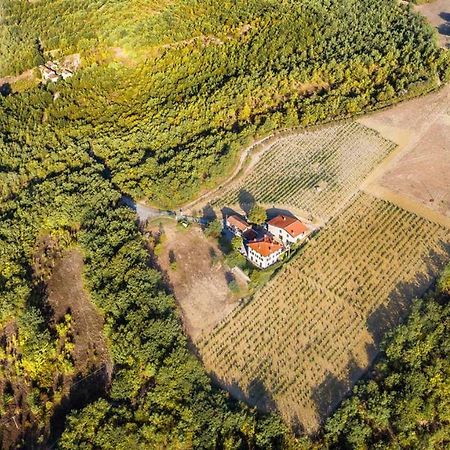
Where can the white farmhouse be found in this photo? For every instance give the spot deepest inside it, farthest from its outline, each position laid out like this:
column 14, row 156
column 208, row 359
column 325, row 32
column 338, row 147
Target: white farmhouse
column 264, row 253
column 237, row 225
column 287, row 230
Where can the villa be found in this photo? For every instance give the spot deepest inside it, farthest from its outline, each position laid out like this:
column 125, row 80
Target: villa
column 264, row 253
column 264, row 245
column 237, row 225
column 288, row 230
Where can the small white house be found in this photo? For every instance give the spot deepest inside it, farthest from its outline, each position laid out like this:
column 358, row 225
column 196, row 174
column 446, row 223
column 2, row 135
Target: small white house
column 237, row 225
column 287, row 230
column 264, row 253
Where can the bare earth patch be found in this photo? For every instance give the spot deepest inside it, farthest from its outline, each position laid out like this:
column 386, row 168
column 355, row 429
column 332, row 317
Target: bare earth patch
column 66, row 294
column 438, row 14
column 417, row 175
column 198, row 277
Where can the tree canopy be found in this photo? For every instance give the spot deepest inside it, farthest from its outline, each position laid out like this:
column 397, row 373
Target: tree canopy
column 257, row 215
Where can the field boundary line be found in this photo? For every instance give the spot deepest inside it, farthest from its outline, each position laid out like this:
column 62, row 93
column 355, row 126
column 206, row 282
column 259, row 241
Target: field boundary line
column 407, row 203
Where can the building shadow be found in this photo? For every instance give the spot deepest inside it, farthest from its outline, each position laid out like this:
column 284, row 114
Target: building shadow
column 229, row 212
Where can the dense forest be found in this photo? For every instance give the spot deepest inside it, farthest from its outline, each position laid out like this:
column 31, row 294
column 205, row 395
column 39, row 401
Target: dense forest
column 166, row 101
column 167, row 95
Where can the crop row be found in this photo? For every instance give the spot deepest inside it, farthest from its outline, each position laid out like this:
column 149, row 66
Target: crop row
column 313, row 171
column 319, row 321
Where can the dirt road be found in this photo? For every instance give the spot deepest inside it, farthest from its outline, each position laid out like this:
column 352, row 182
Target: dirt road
column 416, row 176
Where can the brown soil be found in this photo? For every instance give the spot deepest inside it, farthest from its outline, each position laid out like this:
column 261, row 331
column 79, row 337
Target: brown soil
column 198, row 277
column 58, row 277
column 66, row 294
column 438, row 14
column 419, row 170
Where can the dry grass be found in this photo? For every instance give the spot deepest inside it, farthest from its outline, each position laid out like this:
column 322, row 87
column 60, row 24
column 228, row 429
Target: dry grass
column 197, row 275
column 419, row 170
column 311, row 332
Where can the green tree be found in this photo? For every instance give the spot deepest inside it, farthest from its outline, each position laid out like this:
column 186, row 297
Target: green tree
column 214, row 229
column 257, row 215
column 236, row 243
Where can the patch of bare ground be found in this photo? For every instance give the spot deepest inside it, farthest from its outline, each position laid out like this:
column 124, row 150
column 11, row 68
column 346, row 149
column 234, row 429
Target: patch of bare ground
column 417, row 175
column 66, row 295
column 92, row 362
column 197, row 275
column 21, row 82
column 58, row 279
column 438, row 14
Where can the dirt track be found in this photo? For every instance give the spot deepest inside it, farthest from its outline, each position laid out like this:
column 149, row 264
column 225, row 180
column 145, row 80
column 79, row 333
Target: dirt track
column 438, row 14
column 417, row 175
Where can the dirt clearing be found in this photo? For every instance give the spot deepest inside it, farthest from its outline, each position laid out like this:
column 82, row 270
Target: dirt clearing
column 66, row 294
column 197, row 275
column 419, row 170
column 438, row 14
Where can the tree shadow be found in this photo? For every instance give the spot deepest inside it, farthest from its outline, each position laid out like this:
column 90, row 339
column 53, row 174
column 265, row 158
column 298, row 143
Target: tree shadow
column 208, row 213
column 328, row 395
column 399, row 302
column 256, row 394
column 84, row 391
column 229, row 277
column 273, row 212
column 246, row 200
column 444, row 28
column 212, row 253
column 5, row 89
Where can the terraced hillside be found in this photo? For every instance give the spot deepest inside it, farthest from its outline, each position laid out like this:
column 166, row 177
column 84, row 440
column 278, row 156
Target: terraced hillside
column 305, row 338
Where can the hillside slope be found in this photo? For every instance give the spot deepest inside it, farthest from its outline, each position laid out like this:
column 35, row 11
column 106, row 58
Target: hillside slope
column 170, row 91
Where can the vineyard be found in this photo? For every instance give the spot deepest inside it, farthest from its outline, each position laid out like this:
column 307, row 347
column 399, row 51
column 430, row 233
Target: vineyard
column 310, row 333
column 314, row 171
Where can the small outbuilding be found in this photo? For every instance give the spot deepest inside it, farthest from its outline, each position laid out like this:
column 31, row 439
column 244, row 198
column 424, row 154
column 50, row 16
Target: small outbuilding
column 237, row 225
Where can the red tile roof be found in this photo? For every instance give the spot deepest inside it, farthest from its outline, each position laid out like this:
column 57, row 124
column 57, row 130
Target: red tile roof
column 290, row 224
column 265, row 248
column 237, row 222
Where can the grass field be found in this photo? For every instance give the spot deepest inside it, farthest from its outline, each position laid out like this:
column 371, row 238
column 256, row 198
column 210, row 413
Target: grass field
column 311, row 332
column 314, row 171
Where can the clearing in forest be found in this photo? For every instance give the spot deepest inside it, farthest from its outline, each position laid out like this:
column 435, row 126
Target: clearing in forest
column 304, row 339
column 66, row 294
column 312, row 173
column 197, row 274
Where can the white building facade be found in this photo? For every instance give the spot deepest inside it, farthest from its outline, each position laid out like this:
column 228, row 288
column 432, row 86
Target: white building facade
column 287, row 230
column 264, row 254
